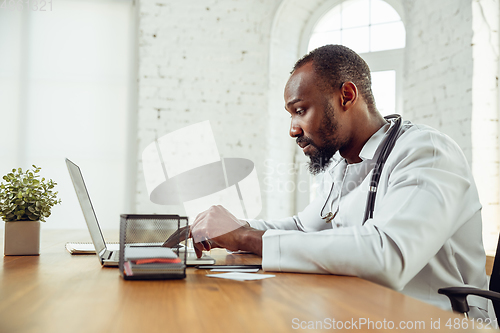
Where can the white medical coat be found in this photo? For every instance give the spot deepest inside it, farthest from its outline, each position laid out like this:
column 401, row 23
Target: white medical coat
column 425, row 233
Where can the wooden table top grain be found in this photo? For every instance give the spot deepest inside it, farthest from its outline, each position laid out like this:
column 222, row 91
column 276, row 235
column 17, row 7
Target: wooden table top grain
column 58, row 292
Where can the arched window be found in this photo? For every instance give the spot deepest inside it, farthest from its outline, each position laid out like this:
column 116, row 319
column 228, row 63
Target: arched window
column 375, row 30
column 362, row 25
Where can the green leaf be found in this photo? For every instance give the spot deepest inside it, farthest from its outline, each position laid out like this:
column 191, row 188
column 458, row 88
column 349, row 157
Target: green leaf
column 25, row 196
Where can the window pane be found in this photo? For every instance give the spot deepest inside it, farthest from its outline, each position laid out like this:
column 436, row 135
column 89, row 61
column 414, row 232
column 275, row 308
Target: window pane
column 387, row 36
column 355, row 13
column 382, row 12
column 386, row 30
column 320, row 39
column 329, row 21
column 384, row 91
column 357, row 39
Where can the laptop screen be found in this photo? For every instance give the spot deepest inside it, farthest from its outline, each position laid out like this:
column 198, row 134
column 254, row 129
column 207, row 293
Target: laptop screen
column 87, row 209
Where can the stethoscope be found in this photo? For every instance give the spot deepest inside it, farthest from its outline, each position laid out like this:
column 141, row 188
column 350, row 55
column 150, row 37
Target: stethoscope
column 389, row 143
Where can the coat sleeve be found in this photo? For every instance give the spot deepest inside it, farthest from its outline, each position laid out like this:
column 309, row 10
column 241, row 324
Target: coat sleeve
column 311, row 215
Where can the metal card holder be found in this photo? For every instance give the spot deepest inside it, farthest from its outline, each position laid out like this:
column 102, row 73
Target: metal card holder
column 151, row 230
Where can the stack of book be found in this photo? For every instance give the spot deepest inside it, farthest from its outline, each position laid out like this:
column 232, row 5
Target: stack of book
column 151, row 261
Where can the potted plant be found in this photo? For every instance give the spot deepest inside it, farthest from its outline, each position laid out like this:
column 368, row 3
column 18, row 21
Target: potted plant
column 25, row 201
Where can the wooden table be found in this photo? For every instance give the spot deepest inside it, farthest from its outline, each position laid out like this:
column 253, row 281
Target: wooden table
column 58, row 292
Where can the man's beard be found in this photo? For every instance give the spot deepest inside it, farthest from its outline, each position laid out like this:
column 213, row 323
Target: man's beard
column 320, row 159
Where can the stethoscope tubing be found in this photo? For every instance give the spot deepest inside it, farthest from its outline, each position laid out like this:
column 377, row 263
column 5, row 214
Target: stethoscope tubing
column 377, row 170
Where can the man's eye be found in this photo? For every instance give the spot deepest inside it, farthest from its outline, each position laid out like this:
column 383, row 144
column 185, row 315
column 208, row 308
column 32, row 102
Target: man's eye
column 299, row 111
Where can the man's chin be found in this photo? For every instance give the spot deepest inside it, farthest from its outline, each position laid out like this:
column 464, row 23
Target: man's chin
column 317, row 166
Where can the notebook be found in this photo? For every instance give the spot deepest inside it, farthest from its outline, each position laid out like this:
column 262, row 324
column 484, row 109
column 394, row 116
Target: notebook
column 106, row 255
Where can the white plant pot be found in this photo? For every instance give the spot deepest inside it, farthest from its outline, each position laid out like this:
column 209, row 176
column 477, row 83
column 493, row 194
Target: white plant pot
column 22, row 238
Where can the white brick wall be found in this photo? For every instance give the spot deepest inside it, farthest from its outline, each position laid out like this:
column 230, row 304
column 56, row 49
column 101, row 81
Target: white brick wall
column 438, row 73
column 204, row 60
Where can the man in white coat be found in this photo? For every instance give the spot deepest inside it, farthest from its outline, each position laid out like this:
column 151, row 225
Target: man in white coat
column 425, row 232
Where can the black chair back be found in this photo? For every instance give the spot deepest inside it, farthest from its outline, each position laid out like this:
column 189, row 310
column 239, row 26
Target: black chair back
column 495, row 279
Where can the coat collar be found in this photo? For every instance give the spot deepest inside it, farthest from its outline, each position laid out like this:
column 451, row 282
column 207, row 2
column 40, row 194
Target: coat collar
column 369, row 149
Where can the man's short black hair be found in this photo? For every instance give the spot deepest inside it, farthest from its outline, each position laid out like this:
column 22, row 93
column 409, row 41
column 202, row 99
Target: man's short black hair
column 337, row 64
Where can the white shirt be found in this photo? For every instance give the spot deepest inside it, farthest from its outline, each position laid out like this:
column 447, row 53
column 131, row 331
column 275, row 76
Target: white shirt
column 426, row 229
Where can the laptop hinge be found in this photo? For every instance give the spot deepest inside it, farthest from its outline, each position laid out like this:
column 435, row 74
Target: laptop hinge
column 106, row 254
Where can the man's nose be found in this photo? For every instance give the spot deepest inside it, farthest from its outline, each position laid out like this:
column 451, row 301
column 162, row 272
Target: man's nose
column 295, row 129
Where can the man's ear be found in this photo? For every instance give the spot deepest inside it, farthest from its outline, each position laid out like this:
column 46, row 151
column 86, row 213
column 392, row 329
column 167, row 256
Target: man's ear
column 348, row 94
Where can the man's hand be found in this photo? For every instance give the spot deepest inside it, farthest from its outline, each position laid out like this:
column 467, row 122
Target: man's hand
column 217, row 227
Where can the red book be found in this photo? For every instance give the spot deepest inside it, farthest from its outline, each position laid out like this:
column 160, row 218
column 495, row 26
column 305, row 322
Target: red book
column 157, row 261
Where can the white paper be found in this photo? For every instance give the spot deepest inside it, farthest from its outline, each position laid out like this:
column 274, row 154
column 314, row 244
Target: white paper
column 243, row 270
column 241, row 276
column 134, row 253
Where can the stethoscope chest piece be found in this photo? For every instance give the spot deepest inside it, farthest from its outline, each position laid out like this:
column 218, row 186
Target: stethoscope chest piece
column 329, row 217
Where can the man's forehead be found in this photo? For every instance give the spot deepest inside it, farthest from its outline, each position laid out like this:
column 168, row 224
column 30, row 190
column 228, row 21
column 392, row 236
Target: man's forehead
column 301, row 81
column 303, row 72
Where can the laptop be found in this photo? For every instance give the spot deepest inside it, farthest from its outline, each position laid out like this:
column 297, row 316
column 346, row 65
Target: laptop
column 110, row 257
